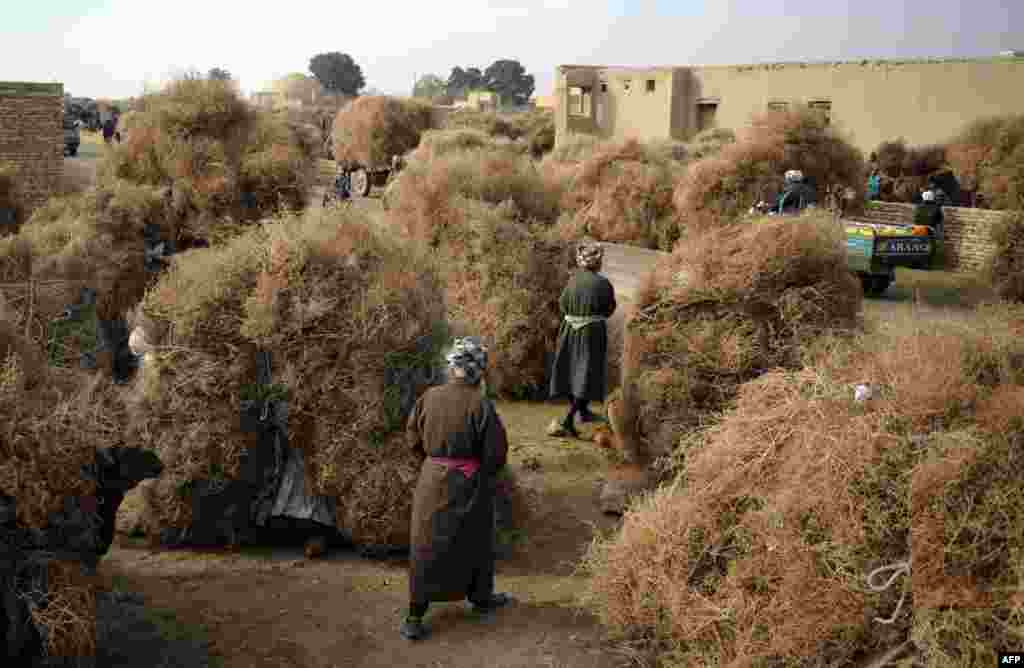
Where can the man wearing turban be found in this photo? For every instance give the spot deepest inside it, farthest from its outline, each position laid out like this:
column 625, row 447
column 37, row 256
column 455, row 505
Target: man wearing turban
column 463, row 441
column 580, row 368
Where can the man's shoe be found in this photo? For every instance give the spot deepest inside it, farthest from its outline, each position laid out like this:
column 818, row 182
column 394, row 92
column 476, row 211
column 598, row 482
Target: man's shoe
column 413, row 629
column 497, row 601
column 561, row 429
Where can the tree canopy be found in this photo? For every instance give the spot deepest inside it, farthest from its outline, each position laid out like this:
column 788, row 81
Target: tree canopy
column 461, row 81
column 218, row 74
column 430, row 86
column 337, row 73
column 508, row 78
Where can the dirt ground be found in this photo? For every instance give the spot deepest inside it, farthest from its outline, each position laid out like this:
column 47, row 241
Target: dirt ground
column 273, row 608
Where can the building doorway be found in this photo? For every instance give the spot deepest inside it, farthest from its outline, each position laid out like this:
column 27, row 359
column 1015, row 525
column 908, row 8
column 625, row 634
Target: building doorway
column 706, row 113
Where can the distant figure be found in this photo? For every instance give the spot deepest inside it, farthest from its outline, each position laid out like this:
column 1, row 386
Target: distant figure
column 117, row 136
column 580, row 368
column 874, row 186
column 108, row 130
column 929, row 212
column 796, row 196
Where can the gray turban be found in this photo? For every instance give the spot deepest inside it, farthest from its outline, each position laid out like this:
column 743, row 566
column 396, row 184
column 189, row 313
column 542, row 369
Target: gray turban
column 590, row 255
column 469, row 356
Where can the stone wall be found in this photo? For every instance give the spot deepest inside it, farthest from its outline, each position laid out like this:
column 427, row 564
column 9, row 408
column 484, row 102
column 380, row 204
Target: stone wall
column 967, row 232
column 32, row 136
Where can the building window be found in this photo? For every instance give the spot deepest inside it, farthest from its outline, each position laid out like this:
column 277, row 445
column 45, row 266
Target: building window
column 626, row 84
column 824, row 107
column 778, row 106
column 604, row 86
column 579, row 101
column 706, row 115
column 650, row 85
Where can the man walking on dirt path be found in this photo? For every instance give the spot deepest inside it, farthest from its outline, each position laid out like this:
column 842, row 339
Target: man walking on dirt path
column 464, row 444
column 580, row 368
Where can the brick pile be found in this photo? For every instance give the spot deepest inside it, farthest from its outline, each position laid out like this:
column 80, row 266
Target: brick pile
column 968, row 244
column 32, row 136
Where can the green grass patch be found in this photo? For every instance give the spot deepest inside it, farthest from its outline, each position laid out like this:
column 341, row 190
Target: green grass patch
column 65, row 336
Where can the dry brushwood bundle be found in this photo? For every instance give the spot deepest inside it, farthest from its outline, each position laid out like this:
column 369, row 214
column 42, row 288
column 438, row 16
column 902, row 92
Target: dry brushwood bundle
column 835, row 525
column 372, row 129
column 621, row 192
column 724, row 308
column 482, row 213
column 354, row 323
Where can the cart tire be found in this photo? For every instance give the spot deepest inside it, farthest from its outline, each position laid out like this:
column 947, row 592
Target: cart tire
column 360, row 183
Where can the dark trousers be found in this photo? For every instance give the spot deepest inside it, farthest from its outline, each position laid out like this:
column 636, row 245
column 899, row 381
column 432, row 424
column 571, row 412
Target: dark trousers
column 577, row 406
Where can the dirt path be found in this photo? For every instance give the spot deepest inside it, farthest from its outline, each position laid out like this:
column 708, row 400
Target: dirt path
column 273, row 608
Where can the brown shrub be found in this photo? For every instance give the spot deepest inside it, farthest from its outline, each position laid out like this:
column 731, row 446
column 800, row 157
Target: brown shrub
column 76, row 176
column 989, row 153
column 1006, row 265
column 372, row 129
column 726, row 307
column 709, row 143
column 66, row 611
column 354, row 322
column 759, row 551
column 721, row 188
column 622, row 192
column 50, row 423
column 502, row 276
column 204, row 139
column 442, row 170
column 95, row 239
column 438, row 143
column 535, row 129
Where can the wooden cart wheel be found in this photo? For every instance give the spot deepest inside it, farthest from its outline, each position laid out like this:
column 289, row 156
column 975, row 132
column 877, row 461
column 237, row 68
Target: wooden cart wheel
column 360, row 183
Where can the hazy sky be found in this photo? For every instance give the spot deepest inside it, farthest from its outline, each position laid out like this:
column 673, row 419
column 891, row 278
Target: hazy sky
column 111, row 48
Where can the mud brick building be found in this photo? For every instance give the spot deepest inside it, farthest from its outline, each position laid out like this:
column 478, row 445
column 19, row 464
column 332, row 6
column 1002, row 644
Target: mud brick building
column 32, row 136
column 924, row 102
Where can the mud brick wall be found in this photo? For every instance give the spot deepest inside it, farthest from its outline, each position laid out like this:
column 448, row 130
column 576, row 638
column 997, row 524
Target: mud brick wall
column 968, row 236
column 32, row 136
column 967, row 232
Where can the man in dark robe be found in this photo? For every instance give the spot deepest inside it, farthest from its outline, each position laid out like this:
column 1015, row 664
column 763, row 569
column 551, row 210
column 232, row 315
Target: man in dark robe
column 796, row 196
column 580, row 368
column 458, row 432
column 928, row 212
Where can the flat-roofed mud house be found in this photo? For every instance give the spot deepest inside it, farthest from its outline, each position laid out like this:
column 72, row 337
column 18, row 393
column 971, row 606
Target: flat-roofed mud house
column 32, row 136
column 924, row 102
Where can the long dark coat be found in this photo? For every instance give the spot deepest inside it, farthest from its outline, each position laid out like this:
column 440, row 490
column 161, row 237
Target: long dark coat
column 580, row 368
column 452, row 542
column 928, row 213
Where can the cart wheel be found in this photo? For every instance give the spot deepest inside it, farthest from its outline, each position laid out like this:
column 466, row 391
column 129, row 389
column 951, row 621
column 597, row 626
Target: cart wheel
column 360, row 183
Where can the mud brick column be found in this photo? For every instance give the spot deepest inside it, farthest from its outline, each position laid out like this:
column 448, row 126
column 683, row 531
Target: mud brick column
column 969, row 237
column 32, row 136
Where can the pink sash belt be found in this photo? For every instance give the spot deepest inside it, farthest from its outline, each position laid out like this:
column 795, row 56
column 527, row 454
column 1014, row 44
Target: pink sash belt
column 467, row 466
